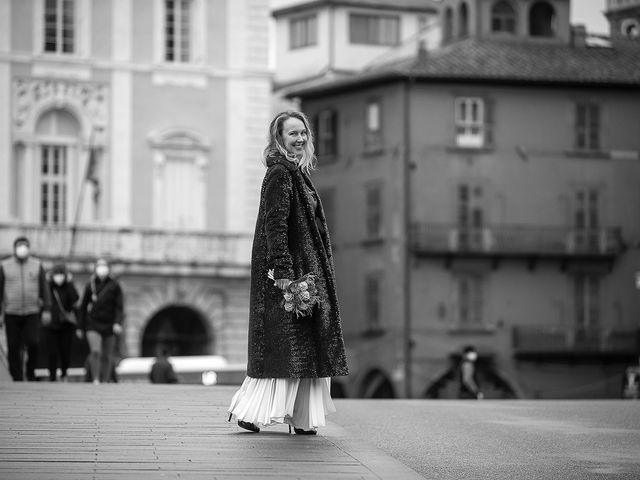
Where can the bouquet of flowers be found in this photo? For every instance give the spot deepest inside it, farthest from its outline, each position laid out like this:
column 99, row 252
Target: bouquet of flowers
column 300, row 295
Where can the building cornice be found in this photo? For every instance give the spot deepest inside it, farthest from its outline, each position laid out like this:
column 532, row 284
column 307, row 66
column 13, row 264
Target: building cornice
column 410, row 6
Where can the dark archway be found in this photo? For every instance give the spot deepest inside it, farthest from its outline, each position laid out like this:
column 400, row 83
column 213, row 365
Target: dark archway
column 180, row 329
column 447, row 34
column 542, row 19
column 377, row 385
column 503, row 17
column 463, row 19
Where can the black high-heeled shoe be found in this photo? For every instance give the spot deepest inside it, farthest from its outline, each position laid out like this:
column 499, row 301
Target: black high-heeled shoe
column 301, row 431
column 249, row 426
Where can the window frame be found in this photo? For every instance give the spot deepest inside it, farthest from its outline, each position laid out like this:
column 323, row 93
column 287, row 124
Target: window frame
column 377, row 31
column 473, row 304
column 53, row 179
column 183, row 41
column 587, row 132
column 42, row 24
column 464, row 136
column 373, row 290
column 326, row 133
column 587, row 301
column 373, row 139
column 504, row 19
column 374, row 210
column 308, row 33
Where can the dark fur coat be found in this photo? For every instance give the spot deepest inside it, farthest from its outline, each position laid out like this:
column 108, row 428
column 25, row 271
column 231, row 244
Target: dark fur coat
column 288, row 240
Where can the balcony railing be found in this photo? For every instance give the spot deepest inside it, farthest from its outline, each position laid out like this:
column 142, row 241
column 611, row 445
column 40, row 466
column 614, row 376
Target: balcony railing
column 550, row 339
column 132, row 245
column 515, row 240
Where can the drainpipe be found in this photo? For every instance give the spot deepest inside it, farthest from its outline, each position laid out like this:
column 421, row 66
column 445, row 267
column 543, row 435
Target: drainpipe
column 408, row 344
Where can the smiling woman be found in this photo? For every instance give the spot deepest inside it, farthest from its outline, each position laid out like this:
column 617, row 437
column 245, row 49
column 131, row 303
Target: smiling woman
column 291, row 357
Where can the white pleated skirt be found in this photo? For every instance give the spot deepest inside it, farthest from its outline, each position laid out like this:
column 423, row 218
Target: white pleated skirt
column 300, row 402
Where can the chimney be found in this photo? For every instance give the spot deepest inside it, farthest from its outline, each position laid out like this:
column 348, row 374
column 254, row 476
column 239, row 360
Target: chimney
column 578, row 36
column 422, row 50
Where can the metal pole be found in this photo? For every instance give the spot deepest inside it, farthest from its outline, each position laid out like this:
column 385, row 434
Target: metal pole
column 76, row 217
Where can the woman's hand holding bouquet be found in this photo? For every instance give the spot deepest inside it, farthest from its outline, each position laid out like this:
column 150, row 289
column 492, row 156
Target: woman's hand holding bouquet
column 299, row 295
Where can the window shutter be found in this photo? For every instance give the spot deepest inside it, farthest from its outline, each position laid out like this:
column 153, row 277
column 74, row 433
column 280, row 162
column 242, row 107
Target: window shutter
column 315, row 127
column 489, row 122
column 334, row 132
column 594, row 127
column 580, row 127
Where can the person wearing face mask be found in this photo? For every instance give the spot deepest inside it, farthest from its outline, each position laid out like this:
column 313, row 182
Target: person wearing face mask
column 101, row 317
column 26, row 304
column 469, row 385
column 59, row 333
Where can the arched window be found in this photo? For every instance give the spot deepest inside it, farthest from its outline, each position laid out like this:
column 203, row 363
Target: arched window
column 503, row 17
column 630, row 28
column 57, row 133
column 463, row 20
column 447, row 33
column 542, row 19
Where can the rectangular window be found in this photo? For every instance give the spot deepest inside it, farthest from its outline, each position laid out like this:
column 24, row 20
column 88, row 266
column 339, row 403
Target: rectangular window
column 327, row 133
column 372, row 293
column 470, row 216
column 587, row 302
column 59, row 26
column 373, row 132
column 469, row 295
column 178, row 27
column 587, row 127
column 303, row 32
column 53, row 185
column 374, row 29
column 473, row 122
column 586, row 219
column 373, row 204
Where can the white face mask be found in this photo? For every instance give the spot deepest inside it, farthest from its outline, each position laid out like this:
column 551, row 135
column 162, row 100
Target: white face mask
column 102, row 271
column 59, row 278
column 22, row 251
column 473, row 356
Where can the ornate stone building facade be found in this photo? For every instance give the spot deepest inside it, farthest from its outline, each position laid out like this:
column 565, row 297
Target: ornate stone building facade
column 133, row 130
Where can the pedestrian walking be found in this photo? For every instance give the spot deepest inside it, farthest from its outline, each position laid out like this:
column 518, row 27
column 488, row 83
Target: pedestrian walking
column 24, row 303
column 291, row 357
column 60, row 331
column 101, row 317
column 162, row 370
column 469, row 384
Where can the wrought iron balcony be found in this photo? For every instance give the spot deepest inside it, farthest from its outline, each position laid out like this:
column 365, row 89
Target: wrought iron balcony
column 514, row 241
column 131, row 245
column 562, row 341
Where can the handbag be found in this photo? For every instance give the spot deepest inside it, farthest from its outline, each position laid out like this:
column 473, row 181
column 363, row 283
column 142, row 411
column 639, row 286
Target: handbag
column 69, row 316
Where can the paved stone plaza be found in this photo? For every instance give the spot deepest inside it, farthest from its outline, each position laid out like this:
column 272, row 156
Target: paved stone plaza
column 79, row 431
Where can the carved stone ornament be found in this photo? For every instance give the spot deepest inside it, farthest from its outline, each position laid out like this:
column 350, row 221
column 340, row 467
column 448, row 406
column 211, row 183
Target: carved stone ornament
column 32, row 97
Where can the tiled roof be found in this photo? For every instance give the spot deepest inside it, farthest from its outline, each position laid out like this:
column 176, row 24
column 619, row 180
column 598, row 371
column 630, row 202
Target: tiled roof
column 484, row 60
column 402, row 5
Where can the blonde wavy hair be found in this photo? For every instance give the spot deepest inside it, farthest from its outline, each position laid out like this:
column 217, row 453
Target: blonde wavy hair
column 276, row 143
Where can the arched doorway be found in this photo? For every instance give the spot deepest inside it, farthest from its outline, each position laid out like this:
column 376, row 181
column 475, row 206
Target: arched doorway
column 493, row 384
column 180, row 329
column 377, row 385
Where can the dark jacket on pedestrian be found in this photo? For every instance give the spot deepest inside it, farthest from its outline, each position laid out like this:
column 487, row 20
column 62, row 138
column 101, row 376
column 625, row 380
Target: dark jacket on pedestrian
column 102, row 305
column 63, row 302
column 23, row 286
column 288, row 240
